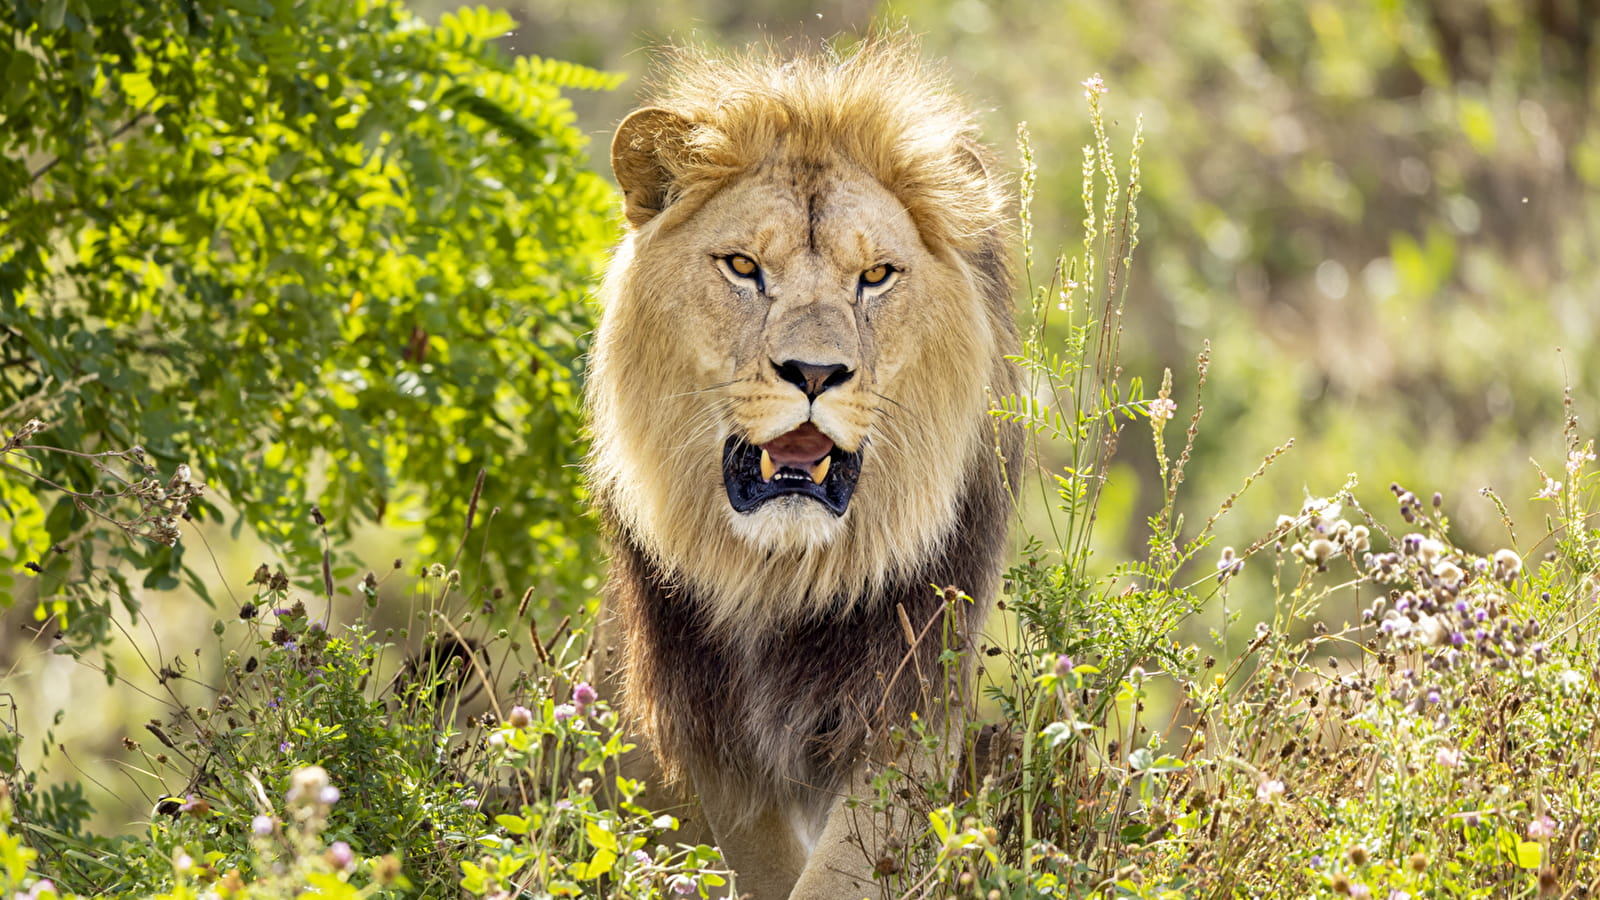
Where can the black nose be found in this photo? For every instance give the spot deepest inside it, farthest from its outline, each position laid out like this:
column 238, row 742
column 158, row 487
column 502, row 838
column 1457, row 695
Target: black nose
column 813, row 378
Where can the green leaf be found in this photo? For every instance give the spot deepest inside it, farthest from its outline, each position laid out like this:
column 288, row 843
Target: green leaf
column 52, row 14
column 600, row 836
column 513, row 824
column 598, row 865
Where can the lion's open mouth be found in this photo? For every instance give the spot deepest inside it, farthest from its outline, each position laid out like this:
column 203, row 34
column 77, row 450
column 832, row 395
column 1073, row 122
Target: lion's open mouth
column 804, row 461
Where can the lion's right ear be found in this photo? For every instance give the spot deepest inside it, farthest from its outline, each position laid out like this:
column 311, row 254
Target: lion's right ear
column 638, row 152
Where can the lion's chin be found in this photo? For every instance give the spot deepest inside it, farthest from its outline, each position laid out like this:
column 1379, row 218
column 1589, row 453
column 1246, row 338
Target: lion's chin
column 789, row 524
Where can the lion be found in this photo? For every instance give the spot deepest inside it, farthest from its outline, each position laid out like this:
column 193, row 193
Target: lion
column 802, row 336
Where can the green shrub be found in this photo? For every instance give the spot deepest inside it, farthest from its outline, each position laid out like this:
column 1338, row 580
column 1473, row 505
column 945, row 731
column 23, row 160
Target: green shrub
column 312, row 253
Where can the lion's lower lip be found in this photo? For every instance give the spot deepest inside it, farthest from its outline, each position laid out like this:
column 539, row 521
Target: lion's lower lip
column 749, row 487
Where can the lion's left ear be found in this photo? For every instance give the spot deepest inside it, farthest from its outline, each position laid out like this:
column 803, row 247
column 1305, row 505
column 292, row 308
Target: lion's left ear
column 638, row 151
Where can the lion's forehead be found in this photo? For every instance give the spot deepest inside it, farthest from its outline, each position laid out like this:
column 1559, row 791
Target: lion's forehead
column 833, row 213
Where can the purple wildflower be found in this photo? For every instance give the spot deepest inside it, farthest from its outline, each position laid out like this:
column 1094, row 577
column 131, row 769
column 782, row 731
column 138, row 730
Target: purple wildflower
column 584, row 694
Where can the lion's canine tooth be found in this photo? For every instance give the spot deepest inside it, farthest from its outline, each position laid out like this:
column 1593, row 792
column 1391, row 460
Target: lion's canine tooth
column 820, row 470
column 768, row 469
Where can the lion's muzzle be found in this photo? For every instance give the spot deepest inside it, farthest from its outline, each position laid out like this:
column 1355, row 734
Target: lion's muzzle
column 804, row 461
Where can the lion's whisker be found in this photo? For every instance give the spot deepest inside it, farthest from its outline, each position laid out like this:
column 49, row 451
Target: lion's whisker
column 708, row 388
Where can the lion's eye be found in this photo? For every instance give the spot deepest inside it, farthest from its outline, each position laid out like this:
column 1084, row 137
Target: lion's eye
column 876, row 276
column 743, row 266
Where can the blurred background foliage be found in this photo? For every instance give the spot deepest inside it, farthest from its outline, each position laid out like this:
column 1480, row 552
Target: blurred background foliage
column 1383, row 215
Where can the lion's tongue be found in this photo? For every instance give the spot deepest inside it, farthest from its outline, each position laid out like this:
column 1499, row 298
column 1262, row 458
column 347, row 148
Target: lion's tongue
column 803, row 448
column 799, row 448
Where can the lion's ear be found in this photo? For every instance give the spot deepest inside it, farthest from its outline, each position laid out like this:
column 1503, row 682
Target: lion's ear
column 973, row 156
column 638, row 151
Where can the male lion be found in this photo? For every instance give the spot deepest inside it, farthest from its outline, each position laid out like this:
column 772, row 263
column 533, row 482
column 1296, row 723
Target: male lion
column 802, row 336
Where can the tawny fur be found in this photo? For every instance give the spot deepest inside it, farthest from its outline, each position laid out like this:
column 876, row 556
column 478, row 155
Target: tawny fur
column 762, row 654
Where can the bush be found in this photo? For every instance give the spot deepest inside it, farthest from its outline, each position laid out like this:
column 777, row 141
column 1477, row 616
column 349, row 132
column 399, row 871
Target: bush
column 314, row 253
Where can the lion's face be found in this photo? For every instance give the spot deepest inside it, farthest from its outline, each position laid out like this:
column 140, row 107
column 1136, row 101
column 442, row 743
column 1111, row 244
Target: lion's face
column 788, row 388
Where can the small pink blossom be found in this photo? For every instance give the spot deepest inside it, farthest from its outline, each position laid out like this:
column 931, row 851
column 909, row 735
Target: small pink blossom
column 1094, row 86
column 1576, row 458
column 1162, row 409
column 583, row 694
column 1270, row 791
column 1541, row 828
column 1448, row 757
column 1550, row 491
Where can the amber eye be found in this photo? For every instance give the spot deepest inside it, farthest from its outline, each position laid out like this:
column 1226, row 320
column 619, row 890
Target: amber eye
column 876, row 275
column 743, row 266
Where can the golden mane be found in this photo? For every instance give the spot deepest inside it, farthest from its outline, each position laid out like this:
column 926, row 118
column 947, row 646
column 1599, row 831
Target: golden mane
column 880, row 106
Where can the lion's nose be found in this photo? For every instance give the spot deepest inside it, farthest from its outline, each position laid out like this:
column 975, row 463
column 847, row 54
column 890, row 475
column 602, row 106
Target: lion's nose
column 812, row 377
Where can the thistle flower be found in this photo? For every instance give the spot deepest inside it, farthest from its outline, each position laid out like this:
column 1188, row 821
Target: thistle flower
column 306, row 784
column 1430, row 551
column 1448, row 573
column 1228, row 565
column 584, row 694
column 1360, row 539
column 1507, row 564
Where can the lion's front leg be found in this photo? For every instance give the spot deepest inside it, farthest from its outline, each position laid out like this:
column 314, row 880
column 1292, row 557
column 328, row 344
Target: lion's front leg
column 759, row 839
column 841, row 864
column 855, row 837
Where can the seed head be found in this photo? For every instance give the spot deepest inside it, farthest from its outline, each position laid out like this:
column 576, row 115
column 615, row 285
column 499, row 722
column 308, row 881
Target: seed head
column 1507, row 564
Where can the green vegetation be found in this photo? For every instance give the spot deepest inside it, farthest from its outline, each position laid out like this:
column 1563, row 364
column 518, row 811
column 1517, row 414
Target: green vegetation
column 317, row 251
column 293, row 268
